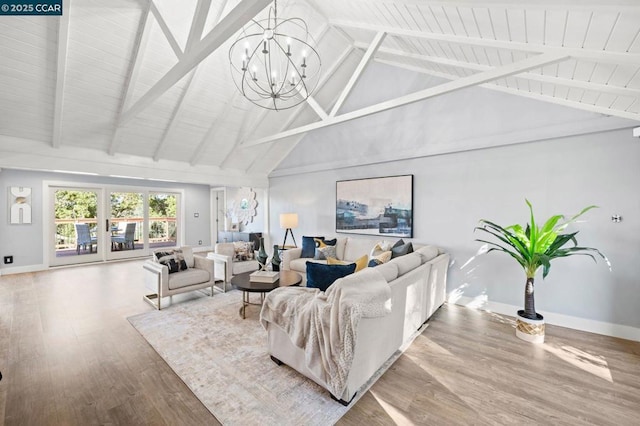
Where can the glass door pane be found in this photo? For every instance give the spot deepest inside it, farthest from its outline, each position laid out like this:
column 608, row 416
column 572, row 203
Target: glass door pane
column 76, row 226
column 126, row 224
column 163, row 220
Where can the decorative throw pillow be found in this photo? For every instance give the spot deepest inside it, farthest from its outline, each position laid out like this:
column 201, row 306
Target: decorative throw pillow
column 243, row 251
column 401, row 250
column 398, row 243
column 383, row 257
column 309, row 246
column 321, row 242
column 322, row 253
column 379, row 248
column 361, row 262
column 172, row 259
column 322, row 276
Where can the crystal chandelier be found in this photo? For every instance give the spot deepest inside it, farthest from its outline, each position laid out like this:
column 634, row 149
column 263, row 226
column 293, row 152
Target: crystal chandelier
column 274, row 63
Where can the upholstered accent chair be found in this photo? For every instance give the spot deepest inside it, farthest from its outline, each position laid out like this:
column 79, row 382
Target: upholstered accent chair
column 199, row 274
column 227, row 266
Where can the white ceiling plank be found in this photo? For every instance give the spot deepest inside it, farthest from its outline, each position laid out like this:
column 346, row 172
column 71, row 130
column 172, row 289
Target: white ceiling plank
column 63, row 42
column 596, row 55
column 235, row 19
column 461, row 83
column 543, row 78
column 142, row 38
column 166, row 31
column 175, row 118
column 199, row 20
column 377, row 41
column 513, row 91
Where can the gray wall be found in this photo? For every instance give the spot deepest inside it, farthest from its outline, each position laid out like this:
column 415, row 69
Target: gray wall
column 453, row 191
column 25, row 242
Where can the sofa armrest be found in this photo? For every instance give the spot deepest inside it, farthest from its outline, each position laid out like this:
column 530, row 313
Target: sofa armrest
column 287, row 256
column 156, row 276
column 224, row 266
column 206, row 264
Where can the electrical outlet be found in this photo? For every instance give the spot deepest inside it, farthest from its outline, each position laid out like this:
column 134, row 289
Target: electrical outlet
column 8, row 260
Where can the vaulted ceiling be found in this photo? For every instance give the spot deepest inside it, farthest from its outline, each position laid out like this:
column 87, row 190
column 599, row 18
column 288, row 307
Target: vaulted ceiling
column 143, row 88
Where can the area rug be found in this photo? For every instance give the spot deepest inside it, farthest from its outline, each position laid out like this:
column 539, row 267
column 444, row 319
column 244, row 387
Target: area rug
column 223, row 359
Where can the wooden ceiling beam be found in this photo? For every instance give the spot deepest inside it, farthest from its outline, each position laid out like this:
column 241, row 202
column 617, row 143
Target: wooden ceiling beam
column 142, row 38
column 593, row 55
column 232, row 22
column 461, row 83
column 61, row 73
column 578, row 84
column 357, row 73
column 527, row 94
column 166, row 30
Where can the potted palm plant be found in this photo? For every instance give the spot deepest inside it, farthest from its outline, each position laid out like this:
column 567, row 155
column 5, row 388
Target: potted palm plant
column 534, row 247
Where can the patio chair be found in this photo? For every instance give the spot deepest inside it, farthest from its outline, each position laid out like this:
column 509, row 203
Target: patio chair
column 126, row 241
column 84, row 238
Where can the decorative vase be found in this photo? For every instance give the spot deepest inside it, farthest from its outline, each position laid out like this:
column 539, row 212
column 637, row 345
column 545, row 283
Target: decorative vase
column 275, row 261
column 262, row 254
column 530, row 330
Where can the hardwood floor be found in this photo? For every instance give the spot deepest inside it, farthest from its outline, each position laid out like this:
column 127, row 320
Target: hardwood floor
column 69, row 356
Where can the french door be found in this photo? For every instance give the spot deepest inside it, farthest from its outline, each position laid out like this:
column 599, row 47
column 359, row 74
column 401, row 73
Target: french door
column 106, row 223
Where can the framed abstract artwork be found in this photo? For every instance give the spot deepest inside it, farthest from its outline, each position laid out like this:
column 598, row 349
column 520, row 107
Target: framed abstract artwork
column 375, row 206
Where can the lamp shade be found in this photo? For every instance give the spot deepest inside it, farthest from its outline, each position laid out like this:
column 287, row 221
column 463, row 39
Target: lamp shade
column 288, row 220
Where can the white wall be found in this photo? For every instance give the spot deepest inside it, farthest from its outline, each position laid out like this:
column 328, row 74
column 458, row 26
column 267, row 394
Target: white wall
column 453, row 191
column 26, row 242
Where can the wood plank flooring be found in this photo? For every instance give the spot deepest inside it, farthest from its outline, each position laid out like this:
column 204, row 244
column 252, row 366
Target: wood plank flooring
column 69, row 356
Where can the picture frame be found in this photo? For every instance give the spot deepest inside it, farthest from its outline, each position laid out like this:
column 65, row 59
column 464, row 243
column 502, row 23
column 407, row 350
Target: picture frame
column 375, row 206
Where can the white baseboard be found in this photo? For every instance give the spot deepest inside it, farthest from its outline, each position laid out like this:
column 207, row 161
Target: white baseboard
column 22, row 269
column 576, row 323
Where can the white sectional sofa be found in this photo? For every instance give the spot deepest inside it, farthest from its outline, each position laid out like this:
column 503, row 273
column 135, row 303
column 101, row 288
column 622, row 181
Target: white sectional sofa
column 418, row 287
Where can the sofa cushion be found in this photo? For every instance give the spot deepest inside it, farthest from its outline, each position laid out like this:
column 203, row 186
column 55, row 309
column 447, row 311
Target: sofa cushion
column 428, row 253
column 322, row 276
column 356, row 247
column 341, row 243
column 226, row 249
column 407, row 263
column 300, row 264
column 187, row 252
column 189, row 277
column 401, row 250
column 389, row 271
column 309, row 246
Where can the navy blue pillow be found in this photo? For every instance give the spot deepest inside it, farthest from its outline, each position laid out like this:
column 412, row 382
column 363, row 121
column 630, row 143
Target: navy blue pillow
column 309, row 246
column 322, row 276
column 330, row 242
column 373, row 263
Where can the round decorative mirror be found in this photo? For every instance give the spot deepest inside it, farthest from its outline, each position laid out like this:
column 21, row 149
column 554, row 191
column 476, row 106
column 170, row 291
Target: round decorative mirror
column 245, row 205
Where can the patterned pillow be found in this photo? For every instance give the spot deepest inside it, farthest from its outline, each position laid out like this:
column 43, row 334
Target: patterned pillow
column 322, row 253
column 242, row 251
column 172, row 259
column 379, row 248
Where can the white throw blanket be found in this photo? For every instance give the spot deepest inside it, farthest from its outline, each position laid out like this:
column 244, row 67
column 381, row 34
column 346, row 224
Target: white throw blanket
column 325, row 324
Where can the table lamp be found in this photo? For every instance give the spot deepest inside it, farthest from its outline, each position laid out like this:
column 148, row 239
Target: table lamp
column 289, row 221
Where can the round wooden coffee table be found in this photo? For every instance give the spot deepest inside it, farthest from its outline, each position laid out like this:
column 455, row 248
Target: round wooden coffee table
column 243, row 282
